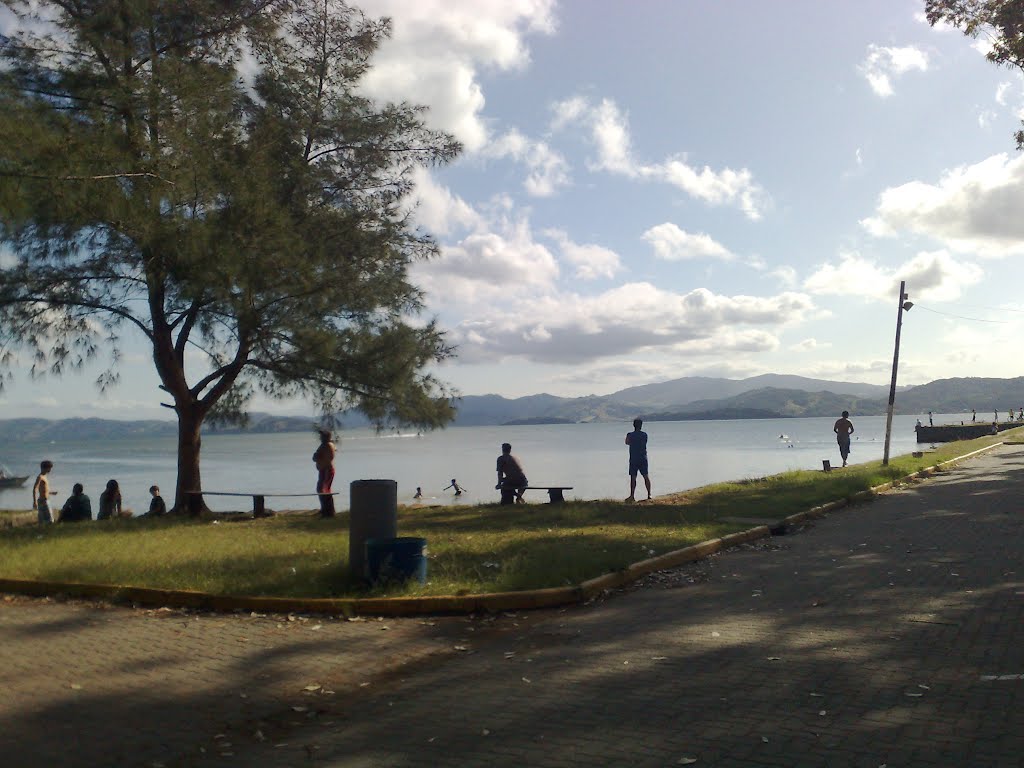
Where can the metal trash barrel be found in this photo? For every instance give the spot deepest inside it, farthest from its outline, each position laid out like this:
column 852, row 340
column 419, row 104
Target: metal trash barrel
column 373, row 514
column 396, row 560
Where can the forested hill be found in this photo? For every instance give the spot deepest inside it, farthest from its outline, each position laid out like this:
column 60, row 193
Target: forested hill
column 45, row 430
column 941, row 396
column 958, row 395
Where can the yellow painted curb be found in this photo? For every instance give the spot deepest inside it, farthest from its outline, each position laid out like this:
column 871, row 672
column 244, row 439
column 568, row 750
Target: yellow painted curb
column 418, row 606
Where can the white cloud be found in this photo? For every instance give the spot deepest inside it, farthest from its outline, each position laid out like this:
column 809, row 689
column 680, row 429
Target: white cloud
column 496, row 262
column 882, row 64
column 548, row 170
column 438, row 210
column 809, row 345
column 786, row 276
column 674, row 244
column 1002, row 91
column 497, row 258
column 935, row 276
column 972, row 208
column 591, row 261
column 853, row 275
column 569, row 328
column 439, row 46
column 609, row 131
column 107, row 404
column 568, row 111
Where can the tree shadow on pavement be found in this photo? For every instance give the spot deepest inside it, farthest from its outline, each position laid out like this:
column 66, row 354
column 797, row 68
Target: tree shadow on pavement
column 864, row 639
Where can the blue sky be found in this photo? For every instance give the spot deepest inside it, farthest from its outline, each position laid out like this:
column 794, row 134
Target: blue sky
column 653, row 190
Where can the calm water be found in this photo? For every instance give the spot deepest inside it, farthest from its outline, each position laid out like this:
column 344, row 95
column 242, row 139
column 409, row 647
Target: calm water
column 590, row 457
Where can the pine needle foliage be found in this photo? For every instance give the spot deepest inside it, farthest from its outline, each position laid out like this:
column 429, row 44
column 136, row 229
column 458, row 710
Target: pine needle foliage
column 207, row 174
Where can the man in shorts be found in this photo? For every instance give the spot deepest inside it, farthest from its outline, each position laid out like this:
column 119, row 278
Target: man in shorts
column 41, row 493
column 637, row 442
column 843, row 429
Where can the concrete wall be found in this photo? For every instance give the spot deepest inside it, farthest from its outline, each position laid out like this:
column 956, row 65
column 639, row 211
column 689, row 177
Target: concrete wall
column 947, row 433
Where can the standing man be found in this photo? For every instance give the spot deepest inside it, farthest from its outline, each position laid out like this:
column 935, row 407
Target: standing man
column 512, row 480
column 323, row 458
column 637, row 442
column 41, row 493
column 843, row 429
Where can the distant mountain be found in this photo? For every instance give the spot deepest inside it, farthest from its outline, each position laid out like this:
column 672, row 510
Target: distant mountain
column 537, row 420
column 676, row 396
column 693, row 388
column 778, row 403
column 477, row 410
column 963, row 394
column 44, row 430
column 670, row 400
column 716, row 414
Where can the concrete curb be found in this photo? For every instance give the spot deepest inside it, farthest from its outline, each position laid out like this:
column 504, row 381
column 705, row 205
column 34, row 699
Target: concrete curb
column 459, row 604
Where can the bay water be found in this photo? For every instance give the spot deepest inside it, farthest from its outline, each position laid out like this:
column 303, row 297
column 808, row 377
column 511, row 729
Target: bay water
column 590, row 457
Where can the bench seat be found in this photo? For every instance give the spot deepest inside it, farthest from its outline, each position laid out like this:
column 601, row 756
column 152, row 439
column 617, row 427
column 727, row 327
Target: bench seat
column 259, row 508
column 554, row 493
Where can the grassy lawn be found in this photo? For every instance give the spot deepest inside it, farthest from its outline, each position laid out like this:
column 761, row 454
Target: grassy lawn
column 487, row 548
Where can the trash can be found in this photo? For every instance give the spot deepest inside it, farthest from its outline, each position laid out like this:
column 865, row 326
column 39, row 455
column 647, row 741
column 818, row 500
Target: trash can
column 373, row 514
column 396, row 559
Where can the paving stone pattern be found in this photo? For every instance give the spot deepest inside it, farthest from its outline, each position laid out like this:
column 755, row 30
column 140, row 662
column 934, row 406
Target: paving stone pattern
column 887, row 634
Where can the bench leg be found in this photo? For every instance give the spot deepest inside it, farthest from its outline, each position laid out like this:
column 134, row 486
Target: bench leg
column 555, row 496
column 259, row 508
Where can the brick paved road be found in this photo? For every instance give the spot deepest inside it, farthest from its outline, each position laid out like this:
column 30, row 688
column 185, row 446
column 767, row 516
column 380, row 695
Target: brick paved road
column 874, row 637
column 93, row 685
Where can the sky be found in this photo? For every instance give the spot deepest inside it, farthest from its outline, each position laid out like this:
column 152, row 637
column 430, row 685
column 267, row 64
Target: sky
column 658, row 189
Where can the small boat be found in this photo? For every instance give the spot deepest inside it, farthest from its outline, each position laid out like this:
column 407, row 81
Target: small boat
column 8, row 480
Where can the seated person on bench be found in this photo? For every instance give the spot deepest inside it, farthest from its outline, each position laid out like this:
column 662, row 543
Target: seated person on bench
column 510, row 474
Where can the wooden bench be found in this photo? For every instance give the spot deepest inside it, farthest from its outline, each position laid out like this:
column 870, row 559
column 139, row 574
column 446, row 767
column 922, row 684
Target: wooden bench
column 508, row 495
column 259, row 508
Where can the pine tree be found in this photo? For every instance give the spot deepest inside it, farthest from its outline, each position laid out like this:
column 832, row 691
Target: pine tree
column 1000, row 21
column 208, row 175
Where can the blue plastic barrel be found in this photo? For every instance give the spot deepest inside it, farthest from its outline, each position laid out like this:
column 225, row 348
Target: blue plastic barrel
column 396, row 559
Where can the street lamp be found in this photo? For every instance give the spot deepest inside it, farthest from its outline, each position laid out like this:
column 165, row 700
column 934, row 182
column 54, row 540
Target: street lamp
column 904, row 306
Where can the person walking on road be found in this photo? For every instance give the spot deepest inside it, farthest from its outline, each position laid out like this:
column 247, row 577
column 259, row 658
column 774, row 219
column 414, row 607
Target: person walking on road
column 843, row 429
column 637, row 442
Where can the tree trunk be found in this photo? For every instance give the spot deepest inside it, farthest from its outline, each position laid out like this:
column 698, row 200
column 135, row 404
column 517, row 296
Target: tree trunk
column 189, row 444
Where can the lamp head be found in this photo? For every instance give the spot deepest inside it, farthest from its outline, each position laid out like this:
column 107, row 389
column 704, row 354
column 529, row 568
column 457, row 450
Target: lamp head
column 907, row 305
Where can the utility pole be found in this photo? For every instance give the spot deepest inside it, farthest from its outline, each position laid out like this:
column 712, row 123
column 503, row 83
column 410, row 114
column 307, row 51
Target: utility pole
column 904, row 306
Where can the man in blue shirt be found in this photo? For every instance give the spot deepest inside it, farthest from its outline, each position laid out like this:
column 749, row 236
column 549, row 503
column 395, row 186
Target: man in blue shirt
column 637, row 442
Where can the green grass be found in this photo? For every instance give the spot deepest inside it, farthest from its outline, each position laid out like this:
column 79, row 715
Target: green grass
column 486, row 548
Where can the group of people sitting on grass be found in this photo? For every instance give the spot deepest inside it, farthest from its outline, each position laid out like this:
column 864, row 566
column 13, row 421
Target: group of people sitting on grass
column 78, row 506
